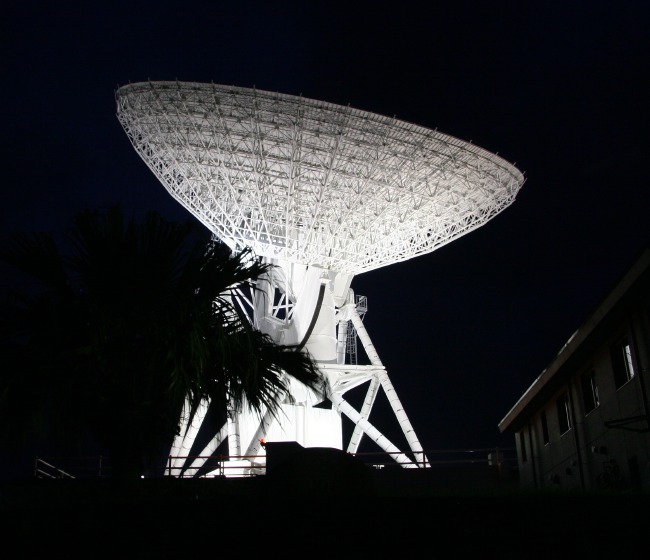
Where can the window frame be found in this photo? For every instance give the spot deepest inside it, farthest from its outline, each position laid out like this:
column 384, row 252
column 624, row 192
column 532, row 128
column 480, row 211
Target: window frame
column 590, row 393
column 623, row 360
column 545, row 433
column 563, row 413
column 522, row 443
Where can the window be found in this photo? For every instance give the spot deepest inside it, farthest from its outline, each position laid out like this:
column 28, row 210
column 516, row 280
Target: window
column 589, row 391
column 544, row 427
column 622, row 361
column 563, row 417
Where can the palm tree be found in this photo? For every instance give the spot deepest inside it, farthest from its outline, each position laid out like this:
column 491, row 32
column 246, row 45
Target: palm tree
column 115, row 335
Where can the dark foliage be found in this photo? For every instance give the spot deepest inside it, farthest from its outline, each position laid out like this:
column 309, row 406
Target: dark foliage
column 113, row 336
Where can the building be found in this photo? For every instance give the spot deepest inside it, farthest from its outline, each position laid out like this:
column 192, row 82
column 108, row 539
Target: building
column 583, row 425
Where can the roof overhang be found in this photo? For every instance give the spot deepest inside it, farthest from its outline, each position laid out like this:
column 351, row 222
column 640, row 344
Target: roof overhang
column 582, row 343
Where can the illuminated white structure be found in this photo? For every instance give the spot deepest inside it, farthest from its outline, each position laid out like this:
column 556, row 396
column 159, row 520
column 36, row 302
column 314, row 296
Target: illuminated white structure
column 324, row 192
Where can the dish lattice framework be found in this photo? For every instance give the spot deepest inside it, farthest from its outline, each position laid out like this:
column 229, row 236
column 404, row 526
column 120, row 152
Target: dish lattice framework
column 308, row 181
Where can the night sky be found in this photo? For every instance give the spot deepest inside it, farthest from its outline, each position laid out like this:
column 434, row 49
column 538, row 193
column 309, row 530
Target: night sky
column 555, row 87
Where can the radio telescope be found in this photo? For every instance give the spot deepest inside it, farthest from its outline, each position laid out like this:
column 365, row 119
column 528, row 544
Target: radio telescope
column 323, row 192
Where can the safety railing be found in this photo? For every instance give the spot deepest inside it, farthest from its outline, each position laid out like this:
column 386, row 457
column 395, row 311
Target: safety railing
column 444, row 457
column 228, row 466
column 242, row 466
column 43, row 469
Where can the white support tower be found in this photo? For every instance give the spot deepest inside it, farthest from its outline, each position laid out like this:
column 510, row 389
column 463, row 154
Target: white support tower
column 323, row 192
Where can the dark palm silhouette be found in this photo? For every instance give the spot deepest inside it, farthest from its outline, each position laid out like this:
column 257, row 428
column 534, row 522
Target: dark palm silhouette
column 113, row 335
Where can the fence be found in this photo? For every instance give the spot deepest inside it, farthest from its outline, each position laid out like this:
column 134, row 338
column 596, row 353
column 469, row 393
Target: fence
column 255, row 465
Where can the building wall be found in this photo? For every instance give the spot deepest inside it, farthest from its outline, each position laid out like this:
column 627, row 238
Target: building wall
column 592, row 455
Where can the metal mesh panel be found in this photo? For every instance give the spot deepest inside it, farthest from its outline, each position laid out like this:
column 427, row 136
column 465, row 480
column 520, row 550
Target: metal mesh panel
column 311, row 182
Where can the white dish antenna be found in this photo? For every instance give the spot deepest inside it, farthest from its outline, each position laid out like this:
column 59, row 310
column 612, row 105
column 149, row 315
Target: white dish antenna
column 324, row 192
column 311, row 182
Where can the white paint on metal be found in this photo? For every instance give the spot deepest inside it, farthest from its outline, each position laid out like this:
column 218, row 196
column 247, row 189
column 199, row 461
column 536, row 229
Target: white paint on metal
column 323, row 193
column 311, row 182
column 386, row 384
column 373, row 433
column 183, row 442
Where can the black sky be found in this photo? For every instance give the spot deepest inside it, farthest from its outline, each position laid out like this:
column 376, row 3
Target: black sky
column 556, row 87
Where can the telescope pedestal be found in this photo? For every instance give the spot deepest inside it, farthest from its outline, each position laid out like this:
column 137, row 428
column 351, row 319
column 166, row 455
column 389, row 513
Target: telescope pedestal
column 312, row 308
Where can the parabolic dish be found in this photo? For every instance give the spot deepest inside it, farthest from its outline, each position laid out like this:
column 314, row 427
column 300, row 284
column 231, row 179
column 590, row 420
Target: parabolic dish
column 311, row 182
